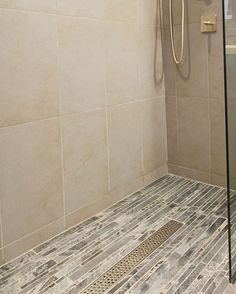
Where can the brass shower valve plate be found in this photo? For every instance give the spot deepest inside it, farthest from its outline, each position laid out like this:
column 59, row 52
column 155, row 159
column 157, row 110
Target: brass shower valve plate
column 209, row 24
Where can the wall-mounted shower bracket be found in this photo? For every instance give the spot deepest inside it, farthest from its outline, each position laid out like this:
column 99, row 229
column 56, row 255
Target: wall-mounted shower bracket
column 209, row 24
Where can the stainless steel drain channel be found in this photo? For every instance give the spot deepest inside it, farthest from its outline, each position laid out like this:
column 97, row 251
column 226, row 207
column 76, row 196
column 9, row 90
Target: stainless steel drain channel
column 130, row 261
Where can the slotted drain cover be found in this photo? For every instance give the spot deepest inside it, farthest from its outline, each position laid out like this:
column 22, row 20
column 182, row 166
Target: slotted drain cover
column 130, row 261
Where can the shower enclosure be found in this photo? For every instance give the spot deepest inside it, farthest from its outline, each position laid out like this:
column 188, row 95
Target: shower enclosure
column 100, row 100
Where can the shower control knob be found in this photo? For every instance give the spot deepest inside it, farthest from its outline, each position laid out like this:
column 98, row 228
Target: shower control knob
column 208, row 22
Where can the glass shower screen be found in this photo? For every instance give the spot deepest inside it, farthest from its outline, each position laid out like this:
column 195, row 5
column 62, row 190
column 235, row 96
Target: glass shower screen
column 230, row 99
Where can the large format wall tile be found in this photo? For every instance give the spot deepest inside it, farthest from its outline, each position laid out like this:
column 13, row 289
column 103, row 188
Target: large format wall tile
column 218, row 148
column 82, row 59
column 169, row 65
column 34, row 5
column 232, row 139
column 194, row 174
column 148, row 12
column 30, row 178
column 193, row 10
column 154, row 133
column 151, row 68
column 124, row 138
column 216, row 63
column 172, row 129
column 192, row 73
column 193, row 133
column 85, row 158
column 1, row 241
column 117, row 10
column 122, row 10
column 199, row 76
column 28, row 57
column 83, row 69
column 31, row 240
column 83, row 8
column 177, row 8
column 87, row 211
column 122, row 62
column 231, row 73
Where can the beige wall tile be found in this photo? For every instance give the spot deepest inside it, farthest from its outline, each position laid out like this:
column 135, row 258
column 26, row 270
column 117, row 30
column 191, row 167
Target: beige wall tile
column 1, row 257
column 169, row 66
column 126, row 189
column 87, row 211
column 192, row 73
column 232, row 138
column 193, row 10
column 151, row 66
column 231, row 73
column 193, row 133
column 190, row 173
column 177, row 9
column 94, row 54
column 216, row 63
column 155, row 174
column 24, row 244
column 132, row 186
column 217, row 180
column 122, row 10
column 148, row 12
column 85, row 159
column 30, row 178
column 172, row 129
column 1, row 241
column 34, row 5
column 154, row 133
column 199, row 76
column 28, row 57
column 83, row 8
column 82, row 59
column 232, row 181
column 117, row 10
column 122, row 62
column 214, row 7
column 218, row 148
column 124, row 137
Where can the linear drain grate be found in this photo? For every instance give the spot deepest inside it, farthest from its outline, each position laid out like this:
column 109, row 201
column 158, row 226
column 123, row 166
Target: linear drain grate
column 130, row 261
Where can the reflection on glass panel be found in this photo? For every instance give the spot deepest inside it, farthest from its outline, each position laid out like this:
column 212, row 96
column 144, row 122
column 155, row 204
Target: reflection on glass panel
column 230, row 21
column 230, row 34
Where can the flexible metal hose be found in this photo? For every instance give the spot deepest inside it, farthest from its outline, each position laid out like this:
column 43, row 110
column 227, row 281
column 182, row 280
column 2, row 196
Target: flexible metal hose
column 177, row 60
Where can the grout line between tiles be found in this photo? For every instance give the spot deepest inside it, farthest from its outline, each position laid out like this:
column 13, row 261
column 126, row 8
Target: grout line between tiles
column 142, row 140
column 60, row 124
column 77, row 113
column 108, row 152
column 1, row 234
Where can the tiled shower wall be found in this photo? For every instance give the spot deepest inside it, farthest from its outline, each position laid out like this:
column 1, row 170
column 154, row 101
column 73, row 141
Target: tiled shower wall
column 195, row 96
column 82, row 117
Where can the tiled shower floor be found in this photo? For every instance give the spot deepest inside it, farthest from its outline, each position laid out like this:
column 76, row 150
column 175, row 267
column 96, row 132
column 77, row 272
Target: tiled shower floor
column 192, row 260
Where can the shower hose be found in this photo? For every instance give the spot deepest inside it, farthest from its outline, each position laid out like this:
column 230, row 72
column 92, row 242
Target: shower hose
column 179, row 59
